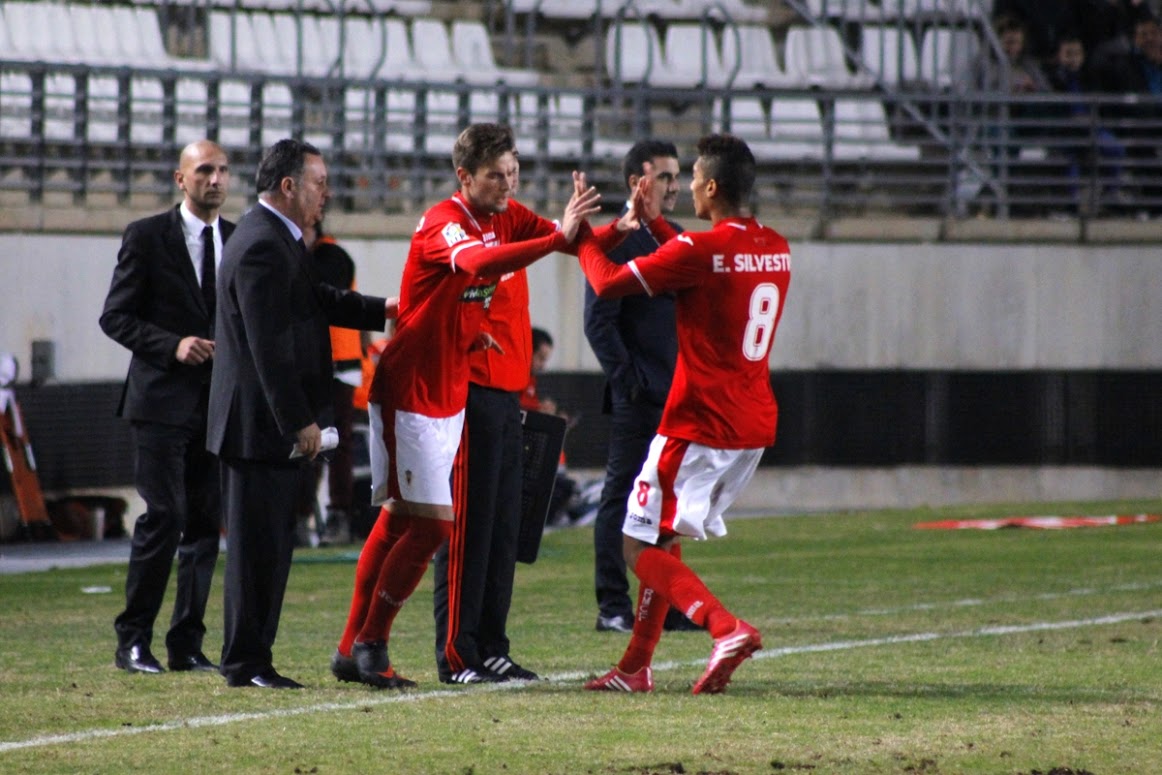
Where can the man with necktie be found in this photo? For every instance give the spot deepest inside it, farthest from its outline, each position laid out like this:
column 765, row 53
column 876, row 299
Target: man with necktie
column 270, row 385
column 161, row 307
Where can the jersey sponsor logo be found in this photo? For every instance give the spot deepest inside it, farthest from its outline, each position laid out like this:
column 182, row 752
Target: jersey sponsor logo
column 686, row 239
column 453, row 233
column 751, row 262
column 641, row 519
column 475, row 294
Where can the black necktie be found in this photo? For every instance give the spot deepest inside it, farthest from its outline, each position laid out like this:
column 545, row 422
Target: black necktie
column 208, row 270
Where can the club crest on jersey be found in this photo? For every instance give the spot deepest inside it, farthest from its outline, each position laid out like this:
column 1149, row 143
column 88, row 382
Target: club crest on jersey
column 454, row 233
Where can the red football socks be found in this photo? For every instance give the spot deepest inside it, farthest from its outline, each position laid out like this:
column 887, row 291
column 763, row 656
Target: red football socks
column 647, row 630
column 382, row 538
column 670, row 577
column 649, row 622
column 400, row 574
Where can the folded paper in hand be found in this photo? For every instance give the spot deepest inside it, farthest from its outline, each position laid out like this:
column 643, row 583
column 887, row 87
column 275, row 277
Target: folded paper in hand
column 330, row 441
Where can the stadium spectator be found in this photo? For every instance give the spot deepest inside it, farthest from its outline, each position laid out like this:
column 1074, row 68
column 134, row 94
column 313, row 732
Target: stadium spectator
column 1137, row 123
column 461, row 249
column 160, row 306
column 1045, row 20
column 270, row 384
column 731, row 284
column 635, row 341
column 1072, row 75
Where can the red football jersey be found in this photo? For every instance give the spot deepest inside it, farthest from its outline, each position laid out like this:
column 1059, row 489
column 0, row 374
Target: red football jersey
column 424, row 368
column 508, row 322
column 730, row 283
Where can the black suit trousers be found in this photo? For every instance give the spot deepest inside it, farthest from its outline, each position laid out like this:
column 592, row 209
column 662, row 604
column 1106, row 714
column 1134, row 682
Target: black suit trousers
column 632, row 428
column 474, row 570
column 178, row 480
column 258, row 500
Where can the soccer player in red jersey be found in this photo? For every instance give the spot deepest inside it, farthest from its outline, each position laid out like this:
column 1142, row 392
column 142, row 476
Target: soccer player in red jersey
column 730, row 284
column 460, row 249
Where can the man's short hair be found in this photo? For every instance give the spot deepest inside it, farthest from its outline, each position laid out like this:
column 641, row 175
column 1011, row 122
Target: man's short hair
column 284, row 159
column 481, row 144
column 643, row 151
column 541, row 337
column 728, row 160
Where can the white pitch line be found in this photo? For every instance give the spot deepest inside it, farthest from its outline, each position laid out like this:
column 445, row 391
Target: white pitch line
column 232, row 718
column 973, row 602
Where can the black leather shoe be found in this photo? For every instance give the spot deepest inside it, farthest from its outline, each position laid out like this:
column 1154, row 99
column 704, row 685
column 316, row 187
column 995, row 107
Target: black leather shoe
column 268, row 679
column 614, row 624
column 137, row 659
column 195, row 660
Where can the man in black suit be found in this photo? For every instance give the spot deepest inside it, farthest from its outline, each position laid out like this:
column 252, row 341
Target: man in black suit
column 272, row 380
column 161, row 307
column 636, row 341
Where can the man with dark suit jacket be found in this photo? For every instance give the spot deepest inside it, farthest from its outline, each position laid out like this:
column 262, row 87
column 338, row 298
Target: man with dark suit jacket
column 161, row 307
column 271, row 381
column 635, row 340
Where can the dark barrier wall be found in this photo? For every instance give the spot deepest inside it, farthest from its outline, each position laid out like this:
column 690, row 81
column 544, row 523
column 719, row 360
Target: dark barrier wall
column 827, row 418
column 884, row 418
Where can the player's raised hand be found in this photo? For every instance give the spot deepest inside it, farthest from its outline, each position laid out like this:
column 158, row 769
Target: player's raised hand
column 586, row 201
column 645, row 203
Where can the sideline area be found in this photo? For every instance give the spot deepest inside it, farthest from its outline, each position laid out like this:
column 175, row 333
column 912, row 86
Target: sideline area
column 24, row 557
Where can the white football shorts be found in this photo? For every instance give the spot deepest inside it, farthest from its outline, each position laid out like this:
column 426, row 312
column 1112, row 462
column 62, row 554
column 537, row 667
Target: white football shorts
column 684, row 488
column 412, row 456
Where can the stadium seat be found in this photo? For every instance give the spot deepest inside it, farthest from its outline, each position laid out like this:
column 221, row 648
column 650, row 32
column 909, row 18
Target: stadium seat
column 83, row 25
column 320, row 46
column 236, row 44
column 889, row 52
column 861, row 132
column 737, row 11
column 753, row 51
column 750, row 121
column 31, row 38
column 443, row 121
column 562, row 132
column 275, row 48
column 432, row 49
column 846, row 10
column 947, row 56
column 815, row 57
column 690, row 58
column 15, row 95
column 397, row 122
column 377, row 48
column 633, row 52
column 797, row 129
column 230, row 40
column 473, row 50
column 563, row 9
column 401, row 7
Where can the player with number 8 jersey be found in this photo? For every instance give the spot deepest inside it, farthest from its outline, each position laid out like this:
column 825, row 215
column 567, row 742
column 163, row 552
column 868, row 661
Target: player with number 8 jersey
column 730, row 285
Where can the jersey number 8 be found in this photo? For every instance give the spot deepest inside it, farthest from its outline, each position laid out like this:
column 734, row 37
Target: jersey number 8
column 760, row 327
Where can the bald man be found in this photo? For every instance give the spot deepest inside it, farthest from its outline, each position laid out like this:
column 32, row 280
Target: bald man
column 161, row 307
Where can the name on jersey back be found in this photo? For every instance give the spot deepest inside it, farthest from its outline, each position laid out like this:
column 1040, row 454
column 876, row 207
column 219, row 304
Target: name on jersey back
column 752, row 262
